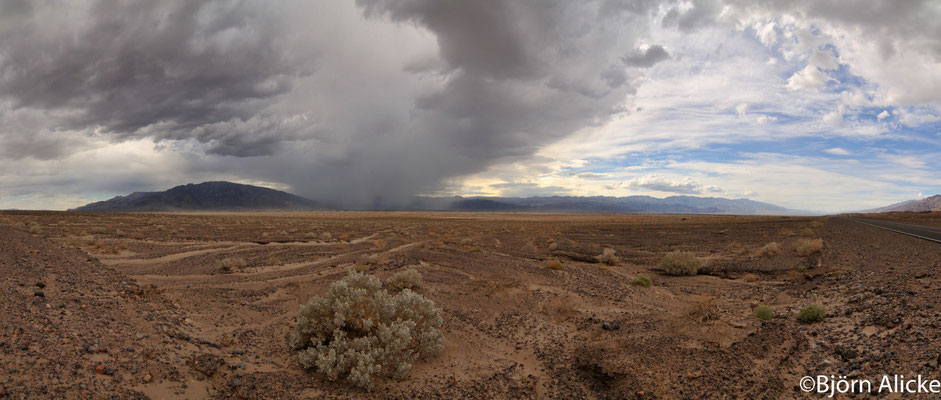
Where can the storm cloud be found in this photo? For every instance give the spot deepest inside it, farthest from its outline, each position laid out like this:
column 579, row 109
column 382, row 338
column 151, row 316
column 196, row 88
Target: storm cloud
column 363, row 103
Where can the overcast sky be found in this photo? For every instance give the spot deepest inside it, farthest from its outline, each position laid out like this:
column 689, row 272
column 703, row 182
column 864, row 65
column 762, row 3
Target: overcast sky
column 812, row 105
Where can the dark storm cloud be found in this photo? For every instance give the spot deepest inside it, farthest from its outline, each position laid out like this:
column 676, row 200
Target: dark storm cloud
column 518, row 75
column 646, row 58
column 309, row 91
column 168, row 70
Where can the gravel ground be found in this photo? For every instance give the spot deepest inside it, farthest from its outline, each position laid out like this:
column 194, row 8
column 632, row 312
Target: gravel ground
column 135, row 305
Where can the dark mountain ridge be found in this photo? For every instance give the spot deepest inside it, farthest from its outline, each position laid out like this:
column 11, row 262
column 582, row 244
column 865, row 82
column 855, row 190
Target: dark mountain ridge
column 227, row 196
column 206, row 196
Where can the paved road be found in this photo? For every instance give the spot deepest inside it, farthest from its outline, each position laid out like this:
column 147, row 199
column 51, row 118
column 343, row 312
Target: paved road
column 925, row 232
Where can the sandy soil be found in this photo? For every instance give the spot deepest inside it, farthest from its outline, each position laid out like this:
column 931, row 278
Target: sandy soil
column 135, row 305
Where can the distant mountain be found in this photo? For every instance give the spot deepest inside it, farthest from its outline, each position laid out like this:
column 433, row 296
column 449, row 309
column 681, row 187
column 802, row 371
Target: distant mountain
column 932, row 203
column 207, row 196
column 603, row 204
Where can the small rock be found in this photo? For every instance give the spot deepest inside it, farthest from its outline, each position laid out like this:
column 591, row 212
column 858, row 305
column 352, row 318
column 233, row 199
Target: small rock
column 933, row 364
column 147, row 378
column 40, row 285
column 100, row 369
column 235, row 382
column 610, row 326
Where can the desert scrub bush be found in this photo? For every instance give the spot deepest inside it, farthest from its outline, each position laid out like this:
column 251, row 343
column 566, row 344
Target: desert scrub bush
column 807, row 232
column 359, row 331
column 555, row 264
column 35, row 229
column 607, row 257
column 230, row 264
column 704, row 309
column 680, row 263
column 806, row 247
column 326, row 236
column 553, row 246
column 812, row 313
column 770, row 250
column 408, row 278
column 641, row 280
column 763, row 313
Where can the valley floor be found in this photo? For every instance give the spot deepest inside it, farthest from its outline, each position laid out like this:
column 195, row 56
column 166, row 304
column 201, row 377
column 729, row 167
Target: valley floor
column 137, row 305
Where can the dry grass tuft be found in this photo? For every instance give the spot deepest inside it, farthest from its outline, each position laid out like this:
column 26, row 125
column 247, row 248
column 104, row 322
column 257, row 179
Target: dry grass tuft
column 231, row 264
column 704, row 310
column 680, row 263
column 555, row 264
column 806, row 247
column 770, row 250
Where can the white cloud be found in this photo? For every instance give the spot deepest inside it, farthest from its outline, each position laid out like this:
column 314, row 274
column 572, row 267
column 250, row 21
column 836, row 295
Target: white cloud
column 663, row 184
column 741, row 109
column 764, row 119
column 835, row 118
column 837, row 151
column 883, row 115
column 809, row 78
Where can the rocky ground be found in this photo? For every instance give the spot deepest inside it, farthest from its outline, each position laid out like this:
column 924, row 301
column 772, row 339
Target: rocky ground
column 139, row 305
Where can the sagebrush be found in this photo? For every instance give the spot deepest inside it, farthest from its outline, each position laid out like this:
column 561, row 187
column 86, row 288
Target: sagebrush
column 607, row 257
column 680, row 263
column 359, row 331
column 408, row 278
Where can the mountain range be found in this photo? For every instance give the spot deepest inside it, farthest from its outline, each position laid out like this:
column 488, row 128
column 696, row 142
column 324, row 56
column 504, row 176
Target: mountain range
column 206, row 196
column 932, row 203
column 227, row 196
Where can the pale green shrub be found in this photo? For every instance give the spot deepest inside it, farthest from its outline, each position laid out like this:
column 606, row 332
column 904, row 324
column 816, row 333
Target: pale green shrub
column 680, row 263
column 763, row 313
column 360, row 331
column 812, row 313
column 607, row 256
column 641, row 280
column 408, row 278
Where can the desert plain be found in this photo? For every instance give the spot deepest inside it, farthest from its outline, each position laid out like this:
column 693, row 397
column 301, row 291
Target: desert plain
column 200, row 305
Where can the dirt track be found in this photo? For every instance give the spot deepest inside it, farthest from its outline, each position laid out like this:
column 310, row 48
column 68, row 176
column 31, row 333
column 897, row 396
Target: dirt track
column 513, row 329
